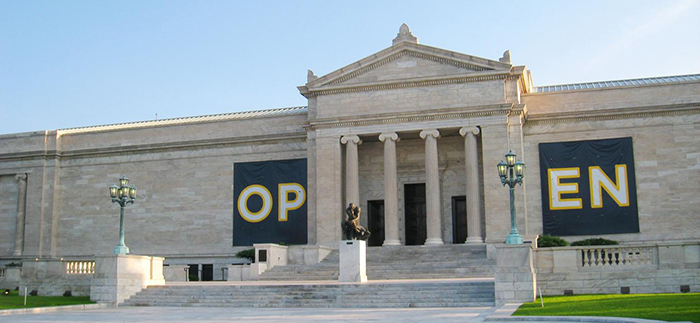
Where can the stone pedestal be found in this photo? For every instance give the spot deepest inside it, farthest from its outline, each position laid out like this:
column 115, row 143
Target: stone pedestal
column 515, row 275
column 353, row 263
column 118, row 277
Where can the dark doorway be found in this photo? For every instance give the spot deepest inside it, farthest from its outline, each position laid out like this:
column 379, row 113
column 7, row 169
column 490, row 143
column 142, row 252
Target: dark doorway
column 459, row 219
column 193, row 272
column 207, row 272
column 375, row 222
column 414, row 210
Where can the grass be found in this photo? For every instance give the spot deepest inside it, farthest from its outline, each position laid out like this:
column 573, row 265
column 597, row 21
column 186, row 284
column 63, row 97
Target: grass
column 665, row 307
column 14, row 300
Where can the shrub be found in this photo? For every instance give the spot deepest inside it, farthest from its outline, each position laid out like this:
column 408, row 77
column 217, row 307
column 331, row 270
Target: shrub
column 595, row 242
column 546, row 240
column 248, row 254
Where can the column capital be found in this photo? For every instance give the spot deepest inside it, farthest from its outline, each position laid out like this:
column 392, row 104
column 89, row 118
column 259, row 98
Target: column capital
column 430, row 132
column 466, row 130
column 21, row 177
column 354, row 138
column 389, row 135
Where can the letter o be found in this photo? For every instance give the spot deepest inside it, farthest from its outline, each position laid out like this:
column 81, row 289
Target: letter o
column 243, row 210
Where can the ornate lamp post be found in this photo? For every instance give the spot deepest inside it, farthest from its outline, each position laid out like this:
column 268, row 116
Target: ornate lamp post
column 122, row 194
column 505, row 171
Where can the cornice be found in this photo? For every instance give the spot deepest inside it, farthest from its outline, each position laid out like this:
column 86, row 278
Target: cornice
column 611, row 114
column 390, row 118
column 408, row 83
column 157, row 148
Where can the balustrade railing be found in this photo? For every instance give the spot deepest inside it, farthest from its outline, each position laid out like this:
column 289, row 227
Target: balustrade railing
column 617, row 256
column 80, row 267
column 2, row 272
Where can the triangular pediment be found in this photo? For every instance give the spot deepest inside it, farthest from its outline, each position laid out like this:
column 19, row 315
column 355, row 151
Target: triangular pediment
column 407, row 62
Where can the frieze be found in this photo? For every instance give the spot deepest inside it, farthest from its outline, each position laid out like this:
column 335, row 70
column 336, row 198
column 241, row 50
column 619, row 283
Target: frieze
column 626, row 113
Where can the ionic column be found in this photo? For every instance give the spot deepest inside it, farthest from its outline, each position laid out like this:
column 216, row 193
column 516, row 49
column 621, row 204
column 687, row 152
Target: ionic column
column 391, row 194
column 471, row 160
column 21, row 203
column 432, row 188
column 352, row 176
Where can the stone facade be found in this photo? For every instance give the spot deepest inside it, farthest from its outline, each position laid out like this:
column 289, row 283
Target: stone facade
column 184, row 167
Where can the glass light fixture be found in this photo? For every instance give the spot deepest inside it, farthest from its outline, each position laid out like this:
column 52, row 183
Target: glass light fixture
column 113, row 190
column 502, row 169
column 519, row 169
column 124, row 181
column 510, row 158
column 132, row 191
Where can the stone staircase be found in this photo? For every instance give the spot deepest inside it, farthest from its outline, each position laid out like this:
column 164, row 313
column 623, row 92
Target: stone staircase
column 378, row 294
column 404, row 262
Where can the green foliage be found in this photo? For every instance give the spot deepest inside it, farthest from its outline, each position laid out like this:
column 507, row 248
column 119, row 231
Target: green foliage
column 13, row 264
column 248, row 254
column 595, row 242
column 15, row 300
column 664, row 307
column 551, row 241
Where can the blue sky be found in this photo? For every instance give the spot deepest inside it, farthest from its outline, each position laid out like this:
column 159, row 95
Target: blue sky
column 78, row 63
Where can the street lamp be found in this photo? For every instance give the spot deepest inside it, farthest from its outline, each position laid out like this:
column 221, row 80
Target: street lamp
column 122, row 194
column 505, row 172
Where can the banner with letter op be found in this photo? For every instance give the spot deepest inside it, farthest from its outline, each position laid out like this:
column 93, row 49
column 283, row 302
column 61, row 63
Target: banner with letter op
column 269, row 202
column 588, row 187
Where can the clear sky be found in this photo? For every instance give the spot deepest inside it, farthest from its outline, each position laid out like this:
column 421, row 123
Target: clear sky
column 78, row 63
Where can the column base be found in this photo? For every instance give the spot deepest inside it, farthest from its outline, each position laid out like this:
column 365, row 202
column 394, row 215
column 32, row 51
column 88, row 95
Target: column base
column 391, row 243
column 514, row 238
column 121, row 250
column 434, row 242
column 474, row 240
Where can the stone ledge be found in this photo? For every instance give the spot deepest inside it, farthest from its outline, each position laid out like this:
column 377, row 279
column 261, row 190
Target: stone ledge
column 35, row 310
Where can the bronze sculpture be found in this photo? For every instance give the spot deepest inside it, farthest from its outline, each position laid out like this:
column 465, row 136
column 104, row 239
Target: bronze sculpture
column 352, row 230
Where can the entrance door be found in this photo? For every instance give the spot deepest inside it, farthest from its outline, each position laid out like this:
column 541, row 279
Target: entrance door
column 414, row 210
column 375, row 222
column 207, row 272
column 459, row 219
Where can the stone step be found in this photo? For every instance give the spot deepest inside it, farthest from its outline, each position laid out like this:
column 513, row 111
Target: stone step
column 424, row 293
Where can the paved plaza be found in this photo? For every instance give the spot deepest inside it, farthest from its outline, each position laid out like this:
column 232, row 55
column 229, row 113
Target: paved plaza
column 258, row 315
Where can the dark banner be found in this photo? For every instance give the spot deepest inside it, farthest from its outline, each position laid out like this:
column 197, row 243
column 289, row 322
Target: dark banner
column 588, row 187
column 269, row 202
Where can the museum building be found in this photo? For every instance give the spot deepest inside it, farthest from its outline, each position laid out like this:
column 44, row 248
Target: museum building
column 412, row 134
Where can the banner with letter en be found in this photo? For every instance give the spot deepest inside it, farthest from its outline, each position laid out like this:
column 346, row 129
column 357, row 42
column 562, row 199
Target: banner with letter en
column 588, row 187
column 269, row 202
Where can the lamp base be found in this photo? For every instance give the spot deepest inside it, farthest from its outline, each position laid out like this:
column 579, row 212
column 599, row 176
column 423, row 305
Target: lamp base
column 514, row 238
column 121, row 250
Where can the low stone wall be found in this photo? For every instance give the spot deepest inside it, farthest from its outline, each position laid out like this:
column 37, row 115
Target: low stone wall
column 644, row 268
column 10, row 277
column 54, row 277
column 515, row 280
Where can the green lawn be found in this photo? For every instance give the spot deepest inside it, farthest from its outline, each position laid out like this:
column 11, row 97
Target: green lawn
column 665, row 307
column 14, row 300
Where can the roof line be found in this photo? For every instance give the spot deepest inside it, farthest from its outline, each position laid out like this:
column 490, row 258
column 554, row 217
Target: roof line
column 619, row 83
column 193, row 119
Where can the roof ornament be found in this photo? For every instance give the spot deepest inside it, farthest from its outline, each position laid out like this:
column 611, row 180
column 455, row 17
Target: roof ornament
column 310, row 76
column 405, row 35
column 506, row 57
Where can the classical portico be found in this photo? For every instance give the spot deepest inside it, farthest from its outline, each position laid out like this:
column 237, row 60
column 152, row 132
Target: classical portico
column 408, row 119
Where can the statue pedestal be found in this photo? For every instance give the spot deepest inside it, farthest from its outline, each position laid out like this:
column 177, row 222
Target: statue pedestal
column 353, row 263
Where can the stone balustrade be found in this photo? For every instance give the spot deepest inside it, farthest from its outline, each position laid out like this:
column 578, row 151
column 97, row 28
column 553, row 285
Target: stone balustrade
column 618, row 256
column 80, row 267
column 2, row 272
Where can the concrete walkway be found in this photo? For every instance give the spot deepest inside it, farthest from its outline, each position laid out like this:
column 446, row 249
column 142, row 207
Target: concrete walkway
column 301, row 315
column 258, row 315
